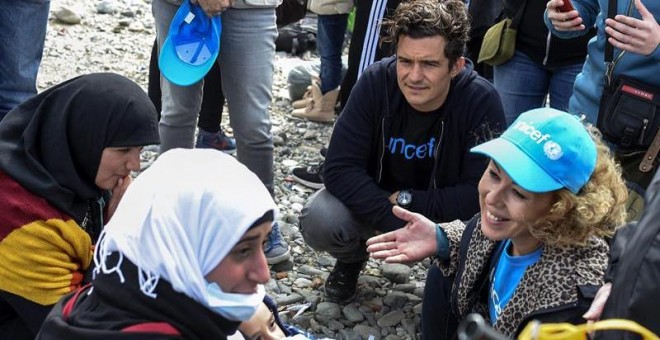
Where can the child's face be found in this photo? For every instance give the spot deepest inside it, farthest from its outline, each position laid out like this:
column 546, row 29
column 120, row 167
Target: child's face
column 261, row 326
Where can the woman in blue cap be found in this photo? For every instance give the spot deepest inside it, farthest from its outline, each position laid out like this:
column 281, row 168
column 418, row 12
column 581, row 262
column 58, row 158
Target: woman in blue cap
column 549, row 196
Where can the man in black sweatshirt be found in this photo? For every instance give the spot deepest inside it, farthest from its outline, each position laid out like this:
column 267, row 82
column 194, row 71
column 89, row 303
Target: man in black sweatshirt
column 404, row 139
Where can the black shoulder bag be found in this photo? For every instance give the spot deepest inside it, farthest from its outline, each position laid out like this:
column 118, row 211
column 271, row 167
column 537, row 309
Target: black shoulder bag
column 629, row 119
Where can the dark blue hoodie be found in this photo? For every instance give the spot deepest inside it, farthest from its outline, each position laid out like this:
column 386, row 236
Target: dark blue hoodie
column 354, row 169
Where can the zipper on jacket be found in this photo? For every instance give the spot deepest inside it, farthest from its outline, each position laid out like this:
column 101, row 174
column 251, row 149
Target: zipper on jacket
column 435, row 155
column 609, row 68
column 547, row 49
column 382, row 153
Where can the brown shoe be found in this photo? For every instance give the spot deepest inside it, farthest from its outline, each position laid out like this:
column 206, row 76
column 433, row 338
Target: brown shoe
column 307, row 97
column 321, row 108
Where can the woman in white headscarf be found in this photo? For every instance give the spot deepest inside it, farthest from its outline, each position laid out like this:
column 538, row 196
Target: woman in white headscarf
column 181, row 258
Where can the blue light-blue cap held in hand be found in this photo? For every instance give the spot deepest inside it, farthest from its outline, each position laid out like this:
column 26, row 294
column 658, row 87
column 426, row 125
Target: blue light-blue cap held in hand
column 544, row 150
column 191, row 47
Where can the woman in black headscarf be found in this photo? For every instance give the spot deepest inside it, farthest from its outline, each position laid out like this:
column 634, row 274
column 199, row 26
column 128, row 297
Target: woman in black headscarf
column 65, row 159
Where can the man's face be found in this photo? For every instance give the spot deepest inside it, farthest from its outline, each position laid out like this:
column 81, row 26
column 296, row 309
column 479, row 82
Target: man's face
column 423, row 71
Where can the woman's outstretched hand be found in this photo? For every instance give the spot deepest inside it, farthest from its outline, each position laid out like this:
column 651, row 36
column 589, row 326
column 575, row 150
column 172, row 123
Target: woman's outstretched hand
column 413, row 242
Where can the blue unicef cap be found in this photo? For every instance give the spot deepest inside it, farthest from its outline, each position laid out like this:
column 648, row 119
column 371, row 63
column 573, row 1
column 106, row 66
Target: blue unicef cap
column 191, row 47
column 544, row 150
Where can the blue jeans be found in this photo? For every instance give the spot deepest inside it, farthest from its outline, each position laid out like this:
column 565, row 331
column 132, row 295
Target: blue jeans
column 523, row 85
column 246, row 60
column 22, row 34
column 330, row 41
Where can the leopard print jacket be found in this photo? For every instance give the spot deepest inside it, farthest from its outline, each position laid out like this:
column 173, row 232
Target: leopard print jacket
column 548, row 285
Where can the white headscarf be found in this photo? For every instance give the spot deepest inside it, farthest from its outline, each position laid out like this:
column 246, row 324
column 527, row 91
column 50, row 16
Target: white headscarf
column 182, row 216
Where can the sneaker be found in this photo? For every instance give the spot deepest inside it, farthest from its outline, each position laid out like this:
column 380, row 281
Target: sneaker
column 342, row 282
column 216, row 140
column 310, row 176
column 276, row 249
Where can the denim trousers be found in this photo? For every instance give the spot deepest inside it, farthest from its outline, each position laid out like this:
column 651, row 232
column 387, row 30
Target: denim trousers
column 330, row 40
column 22, row 34
column 247, row 50
column 523, row 85
column 328, row 225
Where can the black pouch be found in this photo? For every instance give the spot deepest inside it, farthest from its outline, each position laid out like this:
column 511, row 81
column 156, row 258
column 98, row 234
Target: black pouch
column 629, row 114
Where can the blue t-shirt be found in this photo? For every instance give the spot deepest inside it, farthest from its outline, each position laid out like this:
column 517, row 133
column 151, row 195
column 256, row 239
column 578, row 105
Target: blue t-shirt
column 508, row 273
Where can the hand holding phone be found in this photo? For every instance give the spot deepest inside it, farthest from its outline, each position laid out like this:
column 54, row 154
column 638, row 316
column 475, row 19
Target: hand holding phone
column 566, row 7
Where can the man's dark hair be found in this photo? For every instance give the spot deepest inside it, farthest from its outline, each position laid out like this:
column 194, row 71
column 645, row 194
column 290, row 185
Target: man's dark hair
column 429, row 18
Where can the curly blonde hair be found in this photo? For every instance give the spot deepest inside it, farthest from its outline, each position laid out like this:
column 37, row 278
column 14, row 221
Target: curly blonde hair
column 428, row 18
column 597, row 210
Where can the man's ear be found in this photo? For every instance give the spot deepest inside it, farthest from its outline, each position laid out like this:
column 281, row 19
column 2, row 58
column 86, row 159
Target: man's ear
column 457, row 67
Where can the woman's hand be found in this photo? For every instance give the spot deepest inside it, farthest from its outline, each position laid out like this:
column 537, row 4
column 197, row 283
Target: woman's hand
column 634, row 35
column 214, row 7
column 117, row 193
column 596, row 309
column 568, row 21
column 413, row 242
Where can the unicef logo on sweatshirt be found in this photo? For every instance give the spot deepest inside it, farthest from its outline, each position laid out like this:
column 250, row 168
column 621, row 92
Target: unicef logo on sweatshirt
column 410, row 150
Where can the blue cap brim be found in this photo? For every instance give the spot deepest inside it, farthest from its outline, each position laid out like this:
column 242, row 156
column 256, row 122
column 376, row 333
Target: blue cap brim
column 518, row 165
column 179, row 72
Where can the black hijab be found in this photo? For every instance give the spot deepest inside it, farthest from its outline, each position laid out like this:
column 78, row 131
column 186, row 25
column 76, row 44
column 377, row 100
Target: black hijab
column 52, row 143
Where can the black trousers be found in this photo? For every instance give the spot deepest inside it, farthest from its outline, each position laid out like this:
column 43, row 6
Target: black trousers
column 438, row 320
column 365, row 47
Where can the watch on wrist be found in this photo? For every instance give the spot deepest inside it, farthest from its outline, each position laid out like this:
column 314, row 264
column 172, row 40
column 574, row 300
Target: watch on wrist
column 404, row 198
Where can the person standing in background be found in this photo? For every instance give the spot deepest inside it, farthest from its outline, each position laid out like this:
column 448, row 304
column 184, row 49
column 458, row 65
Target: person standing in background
column 543, row 65
column 22, row 34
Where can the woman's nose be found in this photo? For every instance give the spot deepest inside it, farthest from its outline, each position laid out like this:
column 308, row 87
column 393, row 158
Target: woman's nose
column 133, row 163
column 259, row 272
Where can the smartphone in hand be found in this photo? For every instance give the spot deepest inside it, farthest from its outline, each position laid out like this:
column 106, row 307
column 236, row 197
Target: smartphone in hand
column 567, row 7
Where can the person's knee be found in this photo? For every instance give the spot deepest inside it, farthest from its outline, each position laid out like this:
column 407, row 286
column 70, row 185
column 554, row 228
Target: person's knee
column 322, row 220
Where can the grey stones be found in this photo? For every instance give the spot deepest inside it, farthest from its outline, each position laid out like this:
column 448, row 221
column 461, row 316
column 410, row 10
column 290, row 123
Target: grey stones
column 395, row 272
column 67, row 16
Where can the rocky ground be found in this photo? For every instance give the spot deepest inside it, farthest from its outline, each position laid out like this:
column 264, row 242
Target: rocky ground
column 116, row 36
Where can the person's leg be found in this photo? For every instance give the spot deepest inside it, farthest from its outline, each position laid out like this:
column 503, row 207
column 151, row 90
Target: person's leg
column 330, row 40
column 328, row 225
column 153, row 88
column 213, row 101
column 22, row 34
column 367, row 15
column 561, row 85
column 181, row 104
column 246, row 60
column 522, row 85
column 438, row 320
column 210, row 134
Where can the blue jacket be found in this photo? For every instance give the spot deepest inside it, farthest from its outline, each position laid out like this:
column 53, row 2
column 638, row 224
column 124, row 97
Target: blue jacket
column 589, row 83
column 354, row 164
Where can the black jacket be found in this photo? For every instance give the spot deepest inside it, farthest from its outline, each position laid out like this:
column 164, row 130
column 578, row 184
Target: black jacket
column 635, row 269
column 115, row 310
column 353, row 168
column 534, row 39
